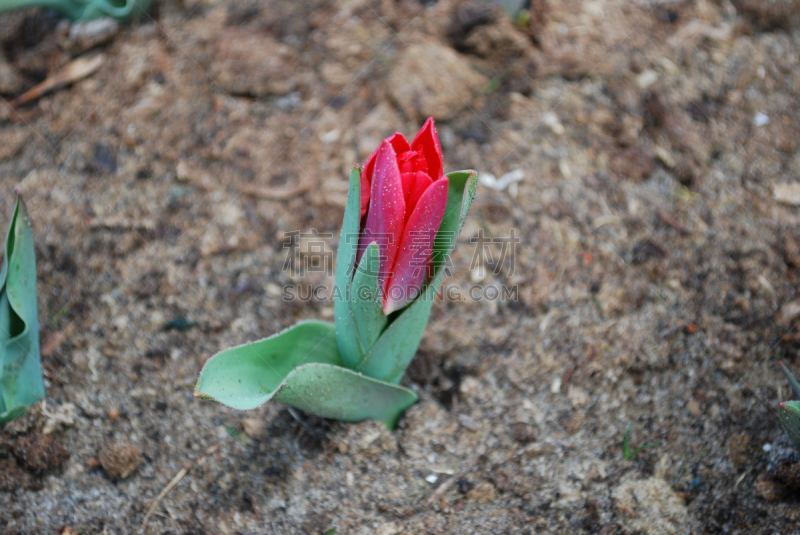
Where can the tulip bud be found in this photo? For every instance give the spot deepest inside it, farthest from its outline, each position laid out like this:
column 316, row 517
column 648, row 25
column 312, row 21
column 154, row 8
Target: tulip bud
column 404, row 196
column 412, row 212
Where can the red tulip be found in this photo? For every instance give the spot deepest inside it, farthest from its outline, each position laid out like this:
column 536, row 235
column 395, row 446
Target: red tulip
column 404, row 195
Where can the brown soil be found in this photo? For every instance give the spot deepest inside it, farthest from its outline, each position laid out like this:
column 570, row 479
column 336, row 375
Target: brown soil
column 659, row 240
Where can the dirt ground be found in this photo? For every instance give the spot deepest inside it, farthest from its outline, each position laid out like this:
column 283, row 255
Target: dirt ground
column 658, row 218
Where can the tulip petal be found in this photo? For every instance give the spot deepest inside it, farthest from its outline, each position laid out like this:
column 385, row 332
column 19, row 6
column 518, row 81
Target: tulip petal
column 386, row 214
column 412, row 160
column 410, row 268
column 400, row 145
column 414, row 185
column 427, row 142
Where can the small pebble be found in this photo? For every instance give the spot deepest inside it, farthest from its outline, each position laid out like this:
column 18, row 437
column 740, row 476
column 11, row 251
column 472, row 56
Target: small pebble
column 467, row 422
column 760, row 119
column 330, row 137
column 433, row 478
column 80, row 362
column 253, row 427
column 551, row 120
column 555, row 387
column 647, row 78
column 767, row 447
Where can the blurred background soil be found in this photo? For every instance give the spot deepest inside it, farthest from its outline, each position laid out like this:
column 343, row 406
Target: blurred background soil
column 656, row 270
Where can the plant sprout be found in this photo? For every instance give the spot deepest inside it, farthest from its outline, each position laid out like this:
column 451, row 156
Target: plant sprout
column 21, row 382
column 401, row 221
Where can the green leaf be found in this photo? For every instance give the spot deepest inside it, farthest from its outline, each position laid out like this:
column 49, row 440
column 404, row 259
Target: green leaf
column 83, row 9
column 627, row 454
column 179, row 324
column 245, row 376
column 626, row 443
column 367, row 299
column 460, row 193
column 790, row 377
column 789, row 414
column 21, row 381
column 346, row 335
column 389, row 357
column 237, row 435
column 335, row 392
column 300, row 367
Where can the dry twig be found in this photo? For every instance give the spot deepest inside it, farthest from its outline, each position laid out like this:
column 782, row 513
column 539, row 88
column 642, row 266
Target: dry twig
column 669, row 220
column 72, row 72
column 121, row 223
column 175, row 480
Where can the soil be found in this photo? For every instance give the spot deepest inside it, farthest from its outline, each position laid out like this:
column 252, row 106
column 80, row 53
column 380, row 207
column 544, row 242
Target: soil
column 655, row 274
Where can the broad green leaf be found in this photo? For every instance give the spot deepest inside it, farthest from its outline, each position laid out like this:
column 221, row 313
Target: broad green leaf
column 300, row 367
column 245, row 376
column 335, row 392
column 346, row 335
column 367, row 301
column 389, row 357
column 790, row 420
column 20, row 368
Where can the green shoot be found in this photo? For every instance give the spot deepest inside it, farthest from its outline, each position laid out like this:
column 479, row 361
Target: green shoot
column 627, row 454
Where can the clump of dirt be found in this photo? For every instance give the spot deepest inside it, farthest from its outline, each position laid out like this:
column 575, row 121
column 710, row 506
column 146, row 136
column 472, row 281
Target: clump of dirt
column 120, row 459
column 13, row 477
column 651, row 506
column 769, row 487
column 417, row 86
column 523, row 433
column 770, row 14
column 39, row 453
column 739, row 449
column 781, row 479
column 788, row 471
